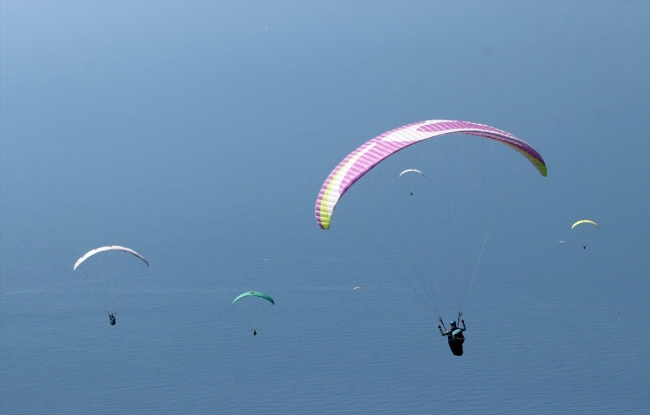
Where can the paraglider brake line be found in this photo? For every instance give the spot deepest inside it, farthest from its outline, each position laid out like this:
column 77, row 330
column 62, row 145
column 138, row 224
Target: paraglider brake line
column 441, row 322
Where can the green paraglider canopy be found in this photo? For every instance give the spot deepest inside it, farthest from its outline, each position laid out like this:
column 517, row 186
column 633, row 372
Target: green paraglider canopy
column 254, row 294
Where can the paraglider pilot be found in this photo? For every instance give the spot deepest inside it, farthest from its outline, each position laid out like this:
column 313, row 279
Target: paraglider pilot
column 455, row 337
column 254, row 332
column 111, row 318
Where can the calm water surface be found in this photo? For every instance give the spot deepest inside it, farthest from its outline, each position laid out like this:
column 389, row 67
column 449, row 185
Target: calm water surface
column 198, row 134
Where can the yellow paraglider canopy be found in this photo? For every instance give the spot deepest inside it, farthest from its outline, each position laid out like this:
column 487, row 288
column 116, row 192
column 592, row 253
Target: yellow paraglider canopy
column 580, row 222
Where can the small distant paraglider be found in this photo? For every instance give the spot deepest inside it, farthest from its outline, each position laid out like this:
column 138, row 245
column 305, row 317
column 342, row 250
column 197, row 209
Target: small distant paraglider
column 108, row 283
column 254, row 294
column 410, row 183
column 585, row 221
column 358, row 287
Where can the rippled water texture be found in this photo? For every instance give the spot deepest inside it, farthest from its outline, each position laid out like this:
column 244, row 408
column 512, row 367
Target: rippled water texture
column 199, row 134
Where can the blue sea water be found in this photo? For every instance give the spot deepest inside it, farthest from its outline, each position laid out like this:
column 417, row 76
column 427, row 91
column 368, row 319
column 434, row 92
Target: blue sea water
column 199, row 134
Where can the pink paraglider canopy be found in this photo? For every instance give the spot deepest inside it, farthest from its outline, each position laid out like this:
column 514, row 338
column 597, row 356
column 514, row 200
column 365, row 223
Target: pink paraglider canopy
column 371, row 153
